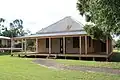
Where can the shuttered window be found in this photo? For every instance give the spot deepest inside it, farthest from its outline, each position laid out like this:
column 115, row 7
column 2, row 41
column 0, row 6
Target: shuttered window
column 75, row 42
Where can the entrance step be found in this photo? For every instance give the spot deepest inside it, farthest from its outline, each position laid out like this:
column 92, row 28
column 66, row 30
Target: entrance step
column 52, row 56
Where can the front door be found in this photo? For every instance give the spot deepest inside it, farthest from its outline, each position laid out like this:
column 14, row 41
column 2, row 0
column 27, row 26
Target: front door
column 61, row 45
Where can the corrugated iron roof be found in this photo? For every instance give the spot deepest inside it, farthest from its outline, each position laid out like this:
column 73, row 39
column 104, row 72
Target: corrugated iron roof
column 65, row 24
column 55, row 34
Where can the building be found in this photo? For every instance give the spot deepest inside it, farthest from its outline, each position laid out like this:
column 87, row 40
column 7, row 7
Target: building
column 4, row 42
column 67, row 38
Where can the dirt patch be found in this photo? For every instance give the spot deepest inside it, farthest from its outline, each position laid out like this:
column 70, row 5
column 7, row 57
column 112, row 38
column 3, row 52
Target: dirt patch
column 52, row 64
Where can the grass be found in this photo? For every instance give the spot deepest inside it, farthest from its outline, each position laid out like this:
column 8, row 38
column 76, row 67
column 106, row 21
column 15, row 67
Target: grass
column 14, row 68
column 115, row 62
column 91, row 63
column 116, row 50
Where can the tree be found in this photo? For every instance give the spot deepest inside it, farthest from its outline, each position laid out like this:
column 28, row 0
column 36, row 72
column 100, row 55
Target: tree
column 16, row 29
column 2, row 27
column 104, row 16
column 6, row 33
column 117, row 44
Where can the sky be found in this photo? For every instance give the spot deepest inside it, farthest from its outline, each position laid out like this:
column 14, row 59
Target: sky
column 37, row 14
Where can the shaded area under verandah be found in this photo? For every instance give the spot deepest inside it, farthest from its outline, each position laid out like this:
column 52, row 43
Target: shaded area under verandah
column 6, row 45
column 65, row 54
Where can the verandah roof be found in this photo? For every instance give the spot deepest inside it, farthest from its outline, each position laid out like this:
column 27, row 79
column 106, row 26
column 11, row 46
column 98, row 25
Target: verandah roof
column 70, row 33
column 3, row 37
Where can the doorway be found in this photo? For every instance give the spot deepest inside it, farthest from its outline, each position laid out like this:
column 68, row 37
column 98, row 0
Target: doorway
column 61, row 45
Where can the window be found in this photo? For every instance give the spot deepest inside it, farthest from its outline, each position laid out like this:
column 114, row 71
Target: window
column 0, row 43
column 75, row 42
column 47, row 42
column 89, row 41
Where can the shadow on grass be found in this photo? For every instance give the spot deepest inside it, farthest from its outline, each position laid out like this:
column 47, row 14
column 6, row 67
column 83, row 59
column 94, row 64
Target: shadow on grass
column 115, row 57
column 4, row 53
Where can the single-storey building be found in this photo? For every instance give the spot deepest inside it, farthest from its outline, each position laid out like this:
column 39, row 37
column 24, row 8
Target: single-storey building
column 5, row 44
column 67, row 37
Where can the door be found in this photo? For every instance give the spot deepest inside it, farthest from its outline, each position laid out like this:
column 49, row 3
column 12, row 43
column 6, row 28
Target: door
column 61, row 45
column 103, row 46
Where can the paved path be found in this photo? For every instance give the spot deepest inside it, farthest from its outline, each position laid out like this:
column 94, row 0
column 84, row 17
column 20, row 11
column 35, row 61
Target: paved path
column 52, row 64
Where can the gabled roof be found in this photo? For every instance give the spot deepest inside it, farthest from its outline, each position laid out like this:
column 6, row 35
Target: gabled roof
column 64, row 25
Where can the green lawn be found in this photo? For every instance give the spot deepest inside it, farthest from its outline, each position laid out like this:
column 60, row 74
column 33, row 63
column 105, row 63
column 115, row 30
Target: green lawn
column 117, row 50
column 115, row 62
column 14, row 68
column 90, row 63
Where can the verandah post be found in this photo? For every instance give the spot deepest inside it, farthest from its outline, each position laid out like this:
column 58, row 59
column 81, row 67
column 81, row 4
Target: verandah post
column 49, row 46
column 25, row 47
column 64, row 47
column 22, row 45
column 11, row 46
column 107, row 50
column 80, row 50
column 86, row 45
column 36, row 45
column 107, row 45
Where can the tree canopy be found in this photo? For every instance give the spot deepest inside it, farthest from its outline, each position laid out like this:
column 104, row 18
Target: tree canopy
column 104, row 16
column 117, row 44
column 16, row 28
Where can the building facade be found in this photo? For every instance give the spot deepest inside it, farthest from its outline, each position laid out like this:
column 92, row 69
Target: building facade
column 67, row 37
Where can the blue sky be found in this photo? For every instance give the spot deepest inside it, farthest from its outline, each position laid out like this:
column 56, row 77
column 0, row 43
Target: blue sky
column 38, row 14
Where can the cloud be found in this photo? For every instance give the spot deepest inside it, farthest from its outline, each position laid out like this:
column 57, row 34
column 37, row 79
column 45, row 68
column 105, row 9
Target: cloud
column 38, row 14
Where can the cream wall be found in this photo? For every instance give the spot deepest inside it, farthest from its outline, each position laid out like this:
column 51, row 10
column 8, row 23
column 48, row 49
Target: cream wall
column 55, row 45
column 69, row 45
column 70, row 49
column 42, row 45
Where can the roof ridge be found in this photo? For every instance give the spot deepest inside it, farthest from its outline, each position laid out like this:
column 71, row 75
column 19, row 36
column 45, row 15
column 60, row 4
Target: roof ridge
column 76, row 21
column 54, row 23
